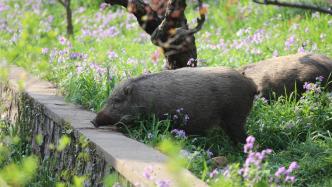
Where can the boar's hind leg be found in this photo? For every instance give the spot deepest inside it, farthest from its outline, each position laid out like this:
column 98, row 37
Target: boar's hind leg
column 234, row 128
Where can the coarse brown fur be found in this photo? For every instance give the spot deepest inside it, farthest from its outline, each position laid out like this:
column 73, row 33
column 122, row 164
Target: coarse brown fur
column 282, row 75
column 210, row 96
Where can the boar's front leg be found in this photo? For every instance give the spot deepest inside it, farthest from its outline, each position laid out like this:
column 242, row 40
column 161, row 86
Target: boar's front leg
column 234, row 127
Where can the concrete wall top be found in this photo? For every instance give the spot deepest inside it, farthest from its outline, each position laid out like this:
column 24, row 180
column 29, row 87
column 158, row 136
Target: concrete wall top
column 127, row 156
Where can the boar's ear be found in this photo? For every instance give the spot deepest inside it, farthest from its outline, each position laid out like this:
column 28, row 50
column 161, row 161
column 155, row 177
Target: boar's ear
column 128, row 89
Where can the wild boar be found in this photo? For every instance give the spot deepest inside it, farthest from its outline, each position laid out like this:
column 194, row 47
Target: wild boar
column 283, row 75
column 211, row 97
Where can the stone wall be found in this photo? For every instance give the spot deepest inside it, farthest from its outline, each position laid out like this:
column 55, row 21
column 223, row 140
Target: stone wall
column 45, row 118
column 45, row 130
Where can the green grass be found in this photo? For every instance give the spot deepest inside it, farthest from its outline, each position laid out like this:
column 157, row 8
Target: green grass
column 235, row 33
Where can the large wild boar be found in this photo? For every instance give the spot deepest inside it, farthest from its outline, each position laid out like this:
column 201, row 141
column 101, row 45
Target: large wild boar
column 210, row 96
column 283, row 74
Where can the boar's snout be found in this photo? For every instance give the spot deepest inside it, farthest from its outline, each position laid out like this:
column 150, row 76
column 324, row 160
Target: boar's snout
column 95, row 123
column 102, row 119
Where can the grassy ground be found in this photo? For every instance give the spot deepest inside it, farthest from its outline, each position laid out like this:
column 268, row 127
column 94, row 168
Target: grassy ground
column 109, row 47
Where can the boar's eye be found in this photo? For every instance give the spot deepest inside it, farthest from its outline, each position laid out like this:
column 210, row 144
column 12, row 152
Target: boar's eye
column 117, row 100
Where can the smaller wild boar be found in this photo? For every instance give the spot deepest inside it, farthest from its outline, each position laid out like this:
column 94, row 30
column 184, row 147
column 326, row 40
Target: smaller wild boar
column 282, row 75
column 212, row 97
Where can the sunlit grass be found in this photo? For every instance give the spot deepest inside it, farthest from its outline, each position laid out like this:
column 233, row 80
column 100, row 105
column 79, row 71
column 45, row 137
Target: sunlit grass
column 235, row 33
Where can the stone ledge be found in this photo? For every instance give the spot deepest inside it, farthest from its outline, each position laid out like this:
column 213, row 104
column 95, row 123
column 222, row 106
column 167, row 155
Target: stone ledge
column 126, row 156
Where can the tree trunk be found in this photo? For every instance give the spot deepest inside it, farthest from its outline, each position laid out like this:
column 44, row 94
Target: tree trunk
column 170, row 32
column 70, row 27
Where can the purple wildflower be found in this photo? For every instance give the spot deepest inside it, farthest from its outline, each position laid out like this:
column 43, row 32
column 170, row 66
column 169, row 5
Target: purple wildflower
column 179, row 133
column 53, row 55
column 209, row 153
column 175, row 117
column 110, row 32
column 267, row 151
column 214, row 173
column 244, row 171
column 247, row 148
column 264, row 100
column 112, row 55
column 3, row 7
column 320, row 78
column 163, row 183
column 191, row 62
column 289, row 42
column 79, row 69
column 81, row 10
column 132, row 61
column 311, row 87
column 226, row 172
column 63, row 40
column 148, row 171
column 250, row 139
column 307, row 86
column 290, row 179
column 179, row 110
column 250, row 144
column 186, row 119
column 50, row 19
column 45, row 51
column 103, row 6
column 258, row 36
column 284, row 174
column 74, row 56
column 301, row 50
column 255, row 158
column 293, row 166
column 97, row 68
column 281, row 171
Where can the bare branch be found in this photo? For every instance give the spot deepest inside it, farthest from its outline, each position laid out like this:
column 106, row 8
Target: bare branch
column 147, row 18
column 295, row 5
column 62, row 3
column 201, row 20
column 179, row 37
